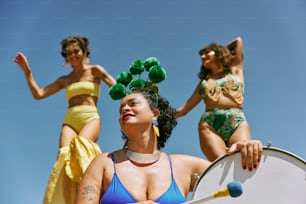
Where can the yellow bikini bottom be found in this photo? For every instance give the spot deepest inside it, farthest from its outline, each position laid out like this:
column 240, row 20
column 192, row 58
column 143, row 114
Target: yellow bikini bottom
column 78, row 116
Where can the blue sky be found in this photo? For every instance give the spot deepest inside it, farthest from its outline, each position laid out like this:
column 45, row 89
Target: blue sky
column 121, row 31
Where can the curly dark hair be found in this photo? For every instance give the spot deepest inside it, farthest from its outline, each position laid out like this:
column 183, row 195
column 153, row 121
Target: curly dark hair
column 83, row 42
column 223, row 56
column 166, row 120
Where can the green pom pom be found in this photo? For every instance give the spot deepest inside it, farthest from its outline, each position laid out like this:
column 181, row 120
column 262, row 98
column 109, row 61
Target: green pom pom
column 149, row 62
column 152, row 86
column 157, row 74
column 136, row 67
column 117, row 91
column 124, row 78
column 137, row 83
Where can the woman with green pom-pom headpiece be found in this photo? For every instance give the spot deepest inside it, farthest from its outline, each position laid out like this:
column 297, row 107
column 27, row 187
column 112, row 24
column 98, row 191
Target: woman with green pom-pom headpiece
column 141, row 172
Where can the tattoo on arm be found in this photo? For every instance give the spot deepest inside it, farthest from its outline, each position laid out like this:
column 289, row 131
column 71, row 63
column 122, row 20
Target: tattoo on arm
column 89, row 192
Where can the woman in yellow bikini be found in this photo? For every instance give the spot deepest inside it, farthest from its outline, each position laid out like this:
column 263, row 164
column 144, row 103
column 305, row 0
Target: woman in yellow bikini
column 81, row 126
column 221, row 86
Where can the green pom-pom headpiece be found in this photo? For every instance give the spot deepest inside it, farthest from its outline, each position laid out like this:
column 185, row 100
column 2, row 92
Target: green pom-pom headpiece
column 157, row 74
column 137, row 83
column 131, row 79
column 117, row 91
column 150, row 62
column 137, row 67
column 124, row 78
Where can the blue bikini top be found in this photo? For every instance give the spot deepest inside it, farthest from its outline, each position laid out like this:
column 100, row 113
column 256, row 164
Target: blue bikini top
column 116, row 193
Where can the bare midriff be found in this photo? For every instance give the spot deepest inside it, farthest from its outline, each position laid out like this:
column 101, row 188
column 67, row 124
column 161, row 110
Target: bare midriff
column 83, row 100
column 223, row 102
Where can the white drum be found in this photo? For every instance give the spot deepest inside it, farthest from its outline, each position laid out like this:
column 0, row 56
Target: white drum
column 279, row 179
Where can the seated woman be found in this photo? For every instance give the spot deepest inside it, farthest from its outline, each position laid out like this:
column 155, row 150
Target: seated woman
column 140, row 172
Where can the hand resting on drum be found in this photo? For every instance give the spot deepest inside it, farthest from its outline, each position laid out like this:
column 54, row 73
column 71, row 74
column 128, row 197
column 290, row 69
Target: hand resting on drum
column 251, row 152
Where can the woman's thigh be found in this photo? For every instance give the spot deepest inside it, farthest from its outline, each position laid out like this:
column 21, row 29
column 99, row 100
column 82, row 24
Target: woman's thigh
column 67, row 133
column 242, row 133
column 211, row 143
column 90, row 131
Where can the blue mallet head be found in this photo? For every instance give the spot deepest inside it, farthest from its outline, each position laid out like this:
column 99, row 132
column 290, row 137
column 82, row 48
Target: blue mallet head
column 234, row 188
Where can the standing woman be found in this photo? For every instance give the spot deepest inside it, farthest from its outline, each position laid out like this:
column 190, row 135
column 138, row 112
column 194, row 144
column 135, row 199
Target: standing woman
column 221, row 85
column 81, row 126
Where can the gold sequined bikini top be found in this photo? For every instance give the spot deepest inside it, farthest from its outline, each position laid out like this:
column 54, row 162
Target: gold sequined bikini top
column 82, row 87
column 230, row 85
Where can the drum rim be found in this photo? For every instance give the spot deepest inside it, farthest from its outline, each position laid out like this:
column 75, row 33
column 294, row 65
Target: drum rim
column 227, row 155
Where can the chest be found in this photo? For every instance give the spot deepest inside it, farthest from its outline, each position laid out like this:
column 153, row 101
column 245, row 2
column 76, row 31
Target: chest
column 230, row 86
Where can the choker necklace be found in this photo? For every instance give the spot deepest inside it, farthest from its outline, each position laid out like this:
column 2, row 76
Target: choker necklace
column 142, row 158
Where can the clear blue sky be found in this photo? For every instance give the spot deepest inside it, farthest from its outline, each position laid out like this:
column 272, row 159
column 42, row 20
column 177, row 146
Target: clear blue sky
column 121, row 31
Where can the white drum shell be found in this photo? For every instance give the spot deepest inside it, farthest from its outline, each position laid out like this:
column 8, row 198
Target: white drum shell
column 279, row 179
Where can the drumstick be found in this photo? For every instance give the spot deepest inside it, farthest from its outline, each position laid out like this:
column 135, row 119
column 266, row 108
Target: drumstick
column 233, row 189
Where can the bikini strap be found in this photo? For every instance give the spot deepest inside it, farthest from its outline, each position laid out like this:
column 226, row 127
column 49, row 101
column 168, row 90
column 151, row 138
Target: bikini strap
column 113, row 158
column 170, row 162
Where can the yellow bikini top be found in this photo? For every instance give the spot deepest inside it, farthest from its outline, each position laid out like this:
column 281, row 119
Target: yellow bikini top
column 82, row 88
column 229, row 85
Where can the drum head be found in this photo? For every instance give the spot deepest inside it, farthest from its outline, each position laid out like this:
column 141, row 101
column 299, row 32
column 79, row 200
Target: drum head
column 279, row 179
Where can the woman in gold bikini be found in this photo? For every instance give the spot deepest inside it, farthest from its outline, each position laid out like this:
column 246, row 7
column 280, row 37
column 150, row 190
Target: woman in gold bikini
column 81, row 126
column 221, row 86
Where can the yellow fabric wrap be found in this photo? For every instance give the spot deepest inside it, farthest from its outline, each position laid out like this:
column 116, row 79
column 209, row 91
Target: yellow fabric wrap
column 68, row 170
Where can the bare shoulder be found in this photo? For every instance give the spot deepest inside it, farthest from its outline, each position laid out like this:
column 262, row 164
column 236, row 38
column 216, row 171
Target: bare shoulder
column 101, row 73
column 186, row 157
column 97, row 67
column 190, row 160
column 103, row 158
column 99, row 164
